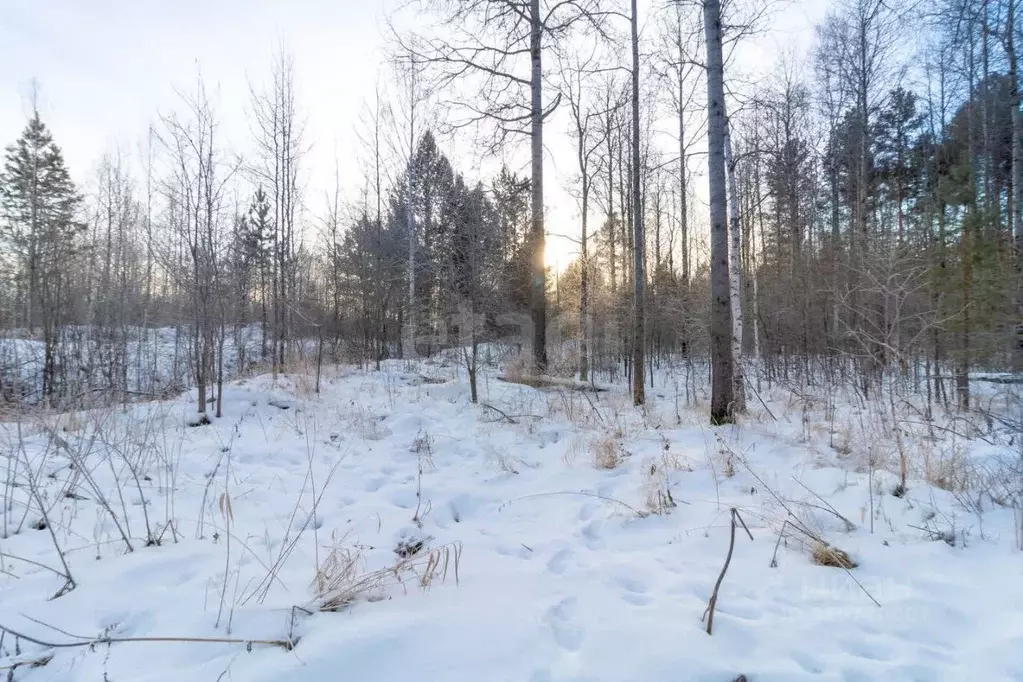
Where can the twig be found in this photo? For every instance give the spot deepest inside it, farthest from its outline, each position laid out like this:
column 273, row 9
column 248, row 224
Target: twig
column 708, row 614
column 757, row 394
column 26, row 663
column 849, row 525
column 781, row 533
column 500, row 412
column 593, row 407
column 801, row 527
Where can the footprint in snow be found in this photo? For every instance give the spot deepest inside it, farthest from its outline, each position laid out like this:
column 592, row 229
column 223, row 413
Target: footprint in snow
column 404, row 499
column 592, row 535
column 587, row 510
column 867, row 650
column 559, row 562
column 374, row 484
column 560, row 619
column 633, row 591
column 809, row 664
column 462, row 507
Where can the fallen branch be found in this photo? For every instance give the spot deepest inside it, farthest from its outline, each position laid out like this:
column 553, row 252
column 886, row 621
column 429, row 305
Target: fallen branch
column 510, row 418
column 287, row 645
column 541, row 381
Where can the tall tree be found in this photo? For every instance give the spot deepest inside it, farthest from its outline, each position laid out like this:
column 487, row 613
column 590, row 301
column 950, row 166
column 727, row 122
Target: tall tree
column 588, row 139
column 721, row 401
column 39, row 229
column 639, row 255
column 278, row 132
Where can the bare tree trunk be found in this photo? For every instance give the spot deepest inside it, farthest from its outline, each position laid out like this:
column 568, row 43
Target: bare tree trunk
column 584, row 285
column 639, row 276
column 722, row 384
column 735, row 295
column 539, row 298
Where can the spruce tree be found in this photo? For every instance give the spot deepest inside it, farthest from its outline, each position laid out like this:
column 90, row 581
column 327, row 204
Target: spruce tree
column 38, row 234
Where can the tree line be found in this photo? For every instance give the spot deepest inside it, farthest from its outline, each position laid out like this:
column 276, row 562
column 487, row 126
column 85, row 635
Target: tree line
column 864, row 213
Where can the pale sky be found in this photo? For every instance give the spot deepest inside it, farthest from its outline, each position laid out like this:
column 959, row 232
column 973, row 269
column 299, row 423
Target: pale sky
column 108, row 68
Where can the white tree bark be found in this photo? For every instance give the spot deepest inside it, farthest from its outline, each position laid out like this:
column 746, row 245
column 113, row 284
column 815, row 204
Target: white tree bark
column 734, row 271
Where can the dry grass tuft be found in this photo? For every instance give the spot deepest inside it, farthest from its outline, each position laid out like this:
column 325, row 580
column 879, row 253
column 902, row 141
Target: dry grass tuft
column 422, row 446
column 340, row 582
column 609, row 453
column 948, row 470
column 658, row 493
column 575, row 448
column 826, row 555
column 674, row 461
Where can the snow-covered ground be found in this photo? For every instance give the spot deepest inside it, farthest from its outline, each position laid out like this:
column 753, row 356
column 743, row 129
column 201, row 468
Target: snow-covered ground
column 550, row 549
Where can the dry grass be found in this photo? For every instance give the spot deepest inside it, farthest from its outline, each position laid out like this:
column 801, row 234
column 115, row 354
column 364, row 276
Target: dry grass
column 422, row 446
column 658, row 493
column 341, row 582
column 948, row 470
column 674, row 461
column 609, row 453
column 365, row 424
column 575, row 448
column 824, row 554
column 301, row 374
column 518, row 367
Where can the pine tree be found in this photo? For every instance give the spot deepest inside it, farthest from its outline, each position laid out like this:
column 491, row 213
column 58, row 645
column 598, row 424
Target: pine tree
column 257, row 247
column 38, row 232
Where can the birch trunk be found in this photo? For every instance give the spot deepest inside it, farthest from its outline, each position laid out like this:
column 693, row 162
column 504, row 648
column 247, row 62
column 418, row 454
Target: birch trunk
column 539, row 302
column 735, row 295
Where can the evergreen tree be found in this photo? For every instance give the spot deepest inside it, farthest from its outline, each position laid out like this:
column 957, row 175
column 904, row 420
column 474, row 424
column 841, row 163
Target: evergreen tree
column 38, row 232
column 258, row 253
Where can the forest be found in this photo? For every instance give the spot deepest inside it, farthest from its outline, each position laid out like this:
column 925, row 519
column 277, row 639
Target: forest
column 862, row 219
column 616, row 313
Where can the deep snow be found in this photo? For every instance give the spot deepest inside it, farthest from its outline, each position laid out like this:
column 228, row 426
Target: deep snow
column 553, row 585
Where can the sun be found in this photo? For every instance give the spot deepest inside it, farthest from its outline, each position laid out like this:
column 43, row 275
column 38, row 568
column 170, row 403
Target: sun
column 559, row 252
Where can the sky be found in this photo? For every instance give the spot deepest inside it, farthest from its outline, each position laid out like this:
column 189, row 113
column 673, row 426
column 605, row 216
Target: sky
column 107, row 69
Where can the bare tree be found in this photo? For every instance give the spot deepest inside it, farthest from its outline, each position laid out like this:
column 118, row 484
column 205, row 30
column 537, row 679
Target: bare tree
column 409, row 119
column 589, row 140
column 721, row 402
column 639, row 255
column 278, row 134
column 197, row 189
